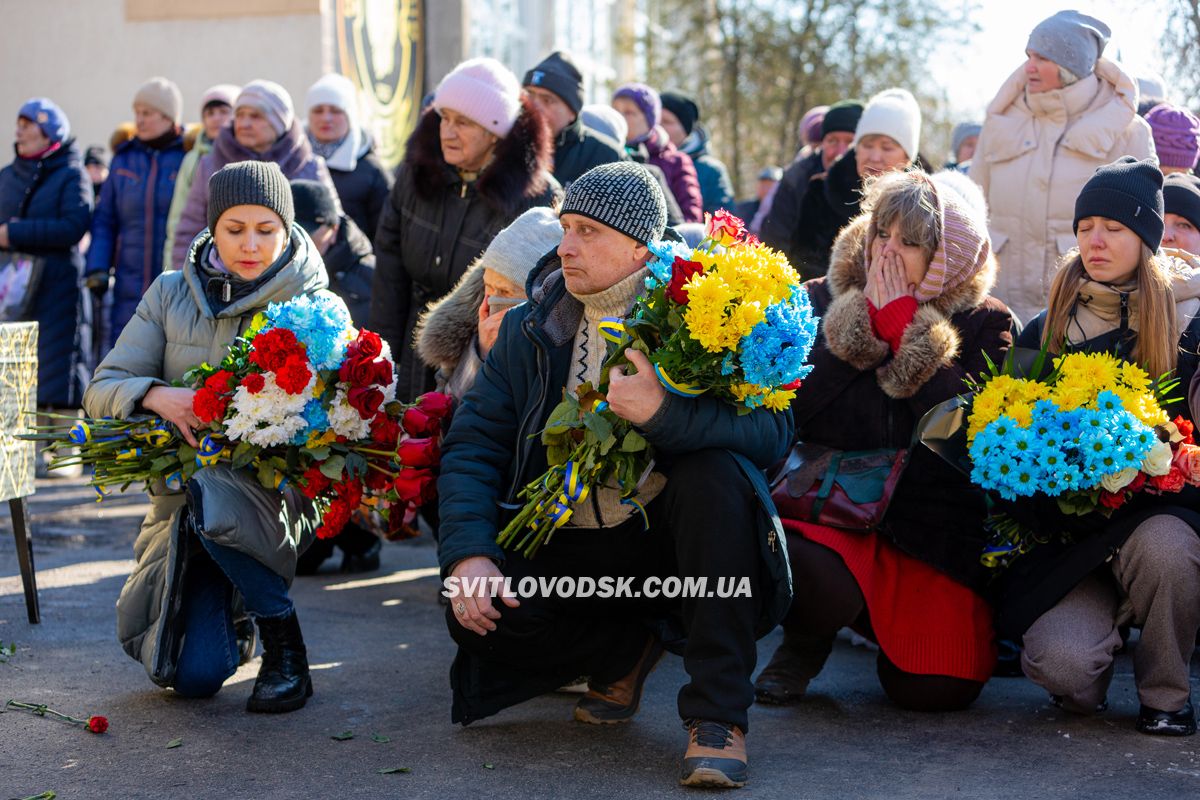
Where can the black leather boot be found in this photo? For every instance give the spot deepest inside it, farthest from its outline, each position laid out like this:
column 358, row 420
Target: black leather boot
column 283, row 682
column 1167, row 723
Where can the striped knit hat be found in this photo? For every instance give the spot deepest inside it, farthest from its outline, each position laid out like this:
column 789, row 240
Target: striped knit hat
column 621, row 195
column 963, row 244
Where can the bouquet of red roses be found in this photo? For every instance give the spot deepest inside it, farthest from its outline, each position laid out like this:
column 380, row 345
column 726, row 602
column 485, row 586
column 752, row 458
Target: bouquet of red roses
column 301, row 399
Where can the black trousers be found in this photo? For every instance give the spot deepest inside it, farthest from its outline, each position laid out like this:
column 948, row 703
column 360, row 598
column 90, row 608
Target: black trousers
column 705, row 523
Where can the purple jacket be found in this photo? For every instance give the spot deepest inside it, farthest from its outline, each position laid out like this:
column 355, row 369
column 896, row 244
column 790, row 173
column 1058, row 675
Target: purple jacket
column 292, row 152
column 680, row 172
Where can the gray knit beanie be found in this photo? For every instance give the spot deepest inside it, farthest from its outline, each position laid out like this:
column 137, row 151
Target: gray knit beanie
column 250, row 183
column 517, row 249
column 623, row 196
column 1072, row 40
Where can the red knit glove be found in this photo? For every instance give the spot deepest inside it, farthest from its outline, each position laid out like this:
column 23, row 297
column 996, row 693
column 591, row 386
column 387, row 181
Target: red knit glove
column 890, row 322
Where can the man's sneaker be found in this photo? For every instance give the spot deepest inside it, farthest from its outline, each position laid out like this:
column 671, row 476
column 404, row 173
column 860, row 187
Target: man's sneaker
column 715, row 757
column 618, row 702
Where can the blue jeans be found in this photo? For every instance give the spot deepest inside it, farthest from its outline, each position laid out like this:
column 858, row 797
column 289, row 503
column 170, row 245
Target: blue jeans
column 210, row 653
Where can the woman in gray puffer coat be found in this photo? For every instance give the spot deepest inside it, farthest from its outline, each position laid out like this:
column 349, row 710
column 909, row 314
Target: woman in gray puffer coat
column 224, row 541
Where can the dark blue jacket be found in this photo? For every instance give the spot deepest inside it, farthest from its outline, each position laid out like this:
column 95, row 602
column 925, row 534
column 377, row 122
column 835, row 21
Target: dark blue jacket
column 130, row 225
column 491, row 450
column 716, row 190
column 52, row 200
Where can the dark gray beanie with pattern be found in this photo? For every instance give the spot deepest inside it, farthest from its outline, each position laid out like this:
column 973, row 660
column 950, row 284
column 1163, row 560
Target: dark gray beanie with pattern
column 622, row 195
column 250, row 183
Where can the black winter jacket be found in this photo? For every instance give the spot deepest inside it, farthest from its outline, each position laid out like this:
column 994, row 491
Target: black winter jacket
column 577, row 149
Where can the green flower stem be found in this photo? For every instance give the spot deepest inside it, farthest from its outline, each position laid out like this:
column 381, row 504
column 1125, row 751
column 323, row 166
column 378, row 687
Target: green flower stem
column 41, row 710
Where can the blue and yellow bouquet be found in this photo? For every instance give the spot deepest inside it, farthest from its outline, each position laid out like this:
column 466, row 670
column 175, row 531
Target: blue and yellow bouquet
column 1089, row 435
column 728, row 318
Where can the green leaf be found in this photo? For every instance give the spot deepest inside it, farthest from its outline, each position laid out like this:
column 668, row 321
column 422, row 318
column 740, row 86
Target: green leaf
column 244, row 454
column 608, row 444
column 394, row 770
column 171, row 745
column 316, row 453
column 557, row 454
column 187, row 454
column 266, row 475
column 356, row 465
column 597, row 424
column 343, row 736
column 332, row 467
column 489, row 766
column 564, row 417
column 633, row 442
column 379, row 737
column 163, row 464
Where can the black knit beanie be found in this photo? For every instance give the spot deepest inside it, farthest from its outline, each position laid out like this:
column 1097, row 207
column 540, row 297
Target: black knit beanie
column 842, row 116
column 683, row 107
column 250, row 183
column 1181, row 196
column 558, row 73
column 1128, row 191
column 622, row 195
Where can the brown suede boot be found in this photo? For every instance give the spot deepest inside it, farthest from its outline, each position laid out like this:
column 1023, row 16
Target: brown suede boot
column 797, row 661
column 618, row 702
column 715, row 757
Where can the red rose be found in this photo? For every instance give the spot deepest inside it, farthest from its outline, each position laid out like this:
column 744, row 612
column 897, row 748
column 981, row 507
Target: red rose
column 220, row 381
column 681, row 273
column 1173, row 481
column 419, row 452
column 208, row 405
column 382, row 372
column 97, row 724
column 1112, row 500
column 314, row 482
column 365, row 401
column 334, row 519
column 254, row 382
column 415, row 486
column 1185, row 429
column 377, row 481
column 385, row 431
column 417, row 422
column 1137, row 483
column 368, row 345
column 271, row 350
column 294, row 375
column 436, row 404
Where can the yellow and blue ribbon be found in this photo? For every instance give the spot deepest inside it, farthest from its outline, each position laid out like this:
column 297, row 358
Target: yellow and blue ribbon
column 174, row 481
column 130, row 455
column 639, row 508
column 81, row 433
column 157, row 436
column 612, row 329
column 996, row 555
column 575, row 490
column 209, row 452
column 681, row 389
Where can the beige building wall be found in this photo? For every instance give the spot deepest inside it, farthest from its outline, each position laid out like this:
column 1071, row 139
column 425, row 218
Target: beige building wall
column 89, row 56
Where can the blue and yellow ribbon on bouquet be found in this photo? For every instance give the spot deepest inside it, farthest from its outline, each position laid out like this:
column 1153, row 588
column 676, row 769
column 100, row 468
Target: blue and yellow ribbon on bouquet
column 209, row 452
column 612, row 329
column 681, row 389
column 559, row 511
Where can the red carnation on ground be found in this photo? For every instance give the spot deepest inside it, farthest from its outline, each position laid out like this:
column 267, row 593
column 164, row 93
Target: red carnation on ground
column 97, row 724
column 294, row 375
column 419, row 452
column 365, row 401
column 417, row 486
column 681, row 272
column 271, row 349
column 220, row 381
column 208, row 405
column 254, row 382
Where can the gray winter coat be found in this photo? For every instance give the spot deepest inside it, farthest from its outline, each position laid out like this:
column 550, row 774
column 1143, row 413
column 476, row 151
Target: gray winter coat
column 172, row 330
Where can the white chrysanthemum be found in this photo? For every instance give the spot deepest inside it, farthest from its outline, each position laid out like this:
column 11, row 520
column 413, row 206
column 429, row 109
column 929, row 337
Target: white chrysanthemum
column 344, row 420
column 269, row 418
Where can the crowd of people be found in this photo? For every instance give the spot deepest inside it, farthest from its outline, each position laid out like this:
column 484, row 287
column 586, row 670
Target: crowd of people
column 518, row 221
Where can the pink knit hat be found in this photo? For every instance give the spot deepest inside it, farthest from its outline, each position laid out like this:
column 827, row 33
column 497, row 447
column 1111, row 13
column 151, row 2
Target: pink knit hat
column 1176, row 135
column 484, row 90
column 964, row 245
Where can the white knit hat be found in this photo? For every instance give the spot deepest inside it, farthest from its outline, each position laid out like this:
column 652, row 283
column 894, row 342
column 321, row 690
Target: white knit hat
column 516, row 250
column 894, row 113
column 334, row 90
column 484, row 90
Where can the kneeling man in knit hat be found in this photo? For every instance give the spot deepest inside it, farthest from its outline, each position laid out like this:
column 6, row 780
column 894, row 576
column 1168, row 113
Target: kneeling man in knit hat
column 707, row 509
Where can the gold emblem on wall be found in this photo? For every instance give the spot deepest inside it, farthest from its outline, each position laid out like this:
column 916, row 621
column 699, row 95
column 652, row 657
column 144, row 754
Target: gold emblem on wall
column 380, row 47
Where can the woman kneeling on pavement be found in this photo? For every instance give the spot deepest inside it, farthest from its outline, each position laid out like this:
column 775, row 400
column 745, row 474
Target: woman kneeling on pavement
column 223, row 543
column 1118, row 293
column 905, row 318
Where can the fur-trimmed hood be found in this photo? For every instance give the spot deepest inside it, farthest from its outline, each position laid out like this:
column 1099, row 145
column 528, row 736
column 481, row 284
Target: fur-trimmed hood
column 931, row 341
column 446, row 328
column 519, row 171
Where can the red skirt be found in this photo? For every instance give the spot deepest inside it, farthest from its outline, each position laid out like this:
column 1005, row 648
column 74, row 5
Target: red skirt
column 924, row 621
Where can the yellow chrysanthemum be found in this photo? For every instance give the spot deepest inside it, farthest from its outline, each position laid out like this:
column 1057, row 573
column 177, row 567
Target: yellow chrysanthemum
column 1135, row 377
column 779, row 400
